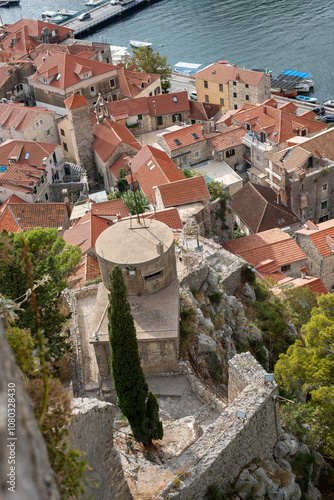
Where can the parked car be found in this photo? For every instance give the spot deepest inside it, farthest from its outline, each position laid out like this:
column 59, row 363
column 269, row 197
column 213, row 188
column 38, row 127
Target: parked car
column 328, row 118
column 193, row 95
column 84, row 16
column 319, row 110
column 113, row 2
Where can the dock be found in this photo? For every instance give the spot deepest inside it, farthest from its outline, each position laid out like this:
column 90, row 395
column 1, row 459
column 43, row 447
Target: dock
column 99, row 15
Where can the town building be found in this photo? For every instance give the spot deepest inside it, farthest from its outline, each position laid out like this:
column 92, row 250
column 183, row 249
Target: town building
column 206, row 114
column 228, row 146
column 273, row 253
column 230, row 86
column 303, row 175
column 186, row 146
column 14, row 84
column 136, row 84
column 258, row 208
column 25, row 123
column 317, row 242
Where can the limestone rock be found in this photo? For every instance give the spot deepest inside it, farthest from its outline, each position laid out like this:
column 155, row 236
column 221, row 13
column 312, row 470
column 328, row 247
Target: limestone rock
column 261, row 477
column 205, row 344
column 235, row 305
column 292, row 330
column 179, row 435
column 255, row 334
column 212, row 281
column 249, row 293
column 192, row 298
column 202, row 321
column 227, row 330
column 245, row 484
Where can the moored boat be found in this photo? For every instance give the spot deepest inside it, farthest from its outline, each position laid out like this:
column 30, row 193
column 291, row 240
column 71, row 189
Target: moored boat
column 138, row 44
column 9, row 3
column 94, row 3
column 52, row 17
column 329, row 103
column 306, row 98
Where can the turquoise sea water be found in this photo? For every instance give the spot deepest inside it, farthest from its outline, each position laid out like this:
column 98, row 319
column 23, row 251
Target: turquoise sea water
column 270, row 34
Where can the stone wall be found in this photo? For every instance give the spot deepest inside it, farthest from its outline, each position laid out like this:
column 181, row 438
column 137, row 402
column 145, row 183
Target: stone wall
column 33, row 474
column 73, row 188
column 91, row 431
column 231, row 442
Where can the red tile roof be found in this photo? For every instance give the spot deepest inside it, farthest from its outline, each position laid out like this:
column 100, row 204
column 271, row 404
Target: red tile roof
column 203, row 110
column 24, row 216
column 6, row 72
column 279, row 124
column 273, row 244
column 122, row 162
column 152, row 167
column 69, row 67
column 74, row 49
column 12, row 199
column 109, row 135
column 18, row 116
column 21, row 177
column 314, row 284
column 27, row 32
column 19, row 149
column 266, row 213
column 223, row 73
column 168, row 103
column 169, row 216
column 185, row 136
column 87, row 270
column 132, row 82
column 75, row 101
column 320, row 237
column 228, row 138
column 110, row 208
column 184, row 191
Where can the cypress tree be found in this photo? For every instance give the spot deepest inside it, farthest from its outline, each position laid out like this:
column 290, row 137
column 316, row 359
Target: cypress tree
column 137, row 404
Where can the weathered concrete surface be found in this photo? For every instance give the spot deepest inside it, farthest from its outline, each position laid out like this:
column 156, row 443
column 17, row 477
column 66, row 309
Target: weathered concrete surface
column 34, row 478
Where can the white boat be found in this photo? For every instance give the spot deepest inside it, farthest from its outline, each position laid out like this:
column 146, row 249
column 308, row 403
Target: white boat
column 52, row 17
column 94, row 3
column 65, row 13
column 138, row 44
column 329, row 103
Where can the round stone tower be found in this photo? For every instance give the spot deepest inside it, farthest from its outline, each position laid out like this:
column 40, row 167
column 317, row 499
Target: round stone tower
column 145, row 251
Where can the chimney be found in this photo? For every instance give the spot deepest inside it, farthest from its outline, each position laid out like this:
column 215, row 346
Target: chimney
column 118, row 217
column 278, row 197
column 160, row 248
column 303, row 272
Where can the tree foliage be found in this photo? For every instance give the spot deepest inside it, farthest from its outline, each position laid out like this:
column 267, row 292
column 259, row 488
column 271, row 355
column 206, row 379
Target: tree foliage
column 307, row 370
column 49, row 256
column 148, row 61
column 133, row 397
column 142, row 201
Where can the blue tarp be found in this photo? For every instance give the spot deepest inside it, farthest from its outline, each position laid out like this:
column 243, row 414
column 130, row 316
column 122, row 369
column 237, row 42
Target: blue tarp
column 296, row 73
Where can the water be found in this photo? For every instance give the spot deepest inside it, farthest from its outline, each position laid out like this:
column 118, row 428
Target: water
column 270, row 34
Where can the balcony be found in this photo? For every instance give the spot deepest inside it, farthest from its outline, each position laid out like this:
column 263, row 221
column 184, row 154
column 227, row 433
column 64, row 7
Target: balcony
column 251, row 140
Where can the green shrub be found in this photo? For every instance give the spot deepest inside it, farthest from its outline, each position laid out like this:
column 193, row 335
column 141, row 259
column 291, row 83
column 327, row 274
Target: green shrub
column 216, row 298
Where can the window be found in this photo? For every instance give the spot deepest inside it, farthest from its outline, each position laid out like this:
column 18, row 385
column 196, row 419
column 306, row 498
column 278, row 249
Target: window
column 234, row 83
column 62, row 132
column 26, row 156
column 196, row 154
column 79, row 92
column 263, row 137
column 46, row 196
column 221, row 87
column 65, row 146
column 248, row 127
column 154, row 276
column 157, row 91
column 45, row 80
column 206, row 98
column 205, row 84
column 235, row 94
column 177, row 118
column 159, row 120
column 257, row 158
column 140, row 117
column 114, row 97
column 222, row 102
column 286, row 268
column 303, row 132
column 36, row 124
column 112, row 82
column 177, row 142
column 42, row 179
column 58, row 77
column 150, row 94
column 324, row 218
column 48, row 133
column 247, row 97
column 246, row 86
column 35, row 189
column 324, row 205
column 92, row 89
column 324, row 187
column 230, row 152
column 195, row 136
column 174, row 98
column 235, row 106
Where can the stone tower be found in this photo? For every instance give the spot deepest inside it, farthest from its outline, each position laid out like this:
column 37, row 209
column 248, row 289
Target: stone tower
column 81, row 132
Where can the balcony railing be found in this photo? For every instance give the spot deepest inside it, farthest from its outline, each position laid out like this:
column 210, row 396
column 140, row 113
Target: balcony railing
column 251, row 140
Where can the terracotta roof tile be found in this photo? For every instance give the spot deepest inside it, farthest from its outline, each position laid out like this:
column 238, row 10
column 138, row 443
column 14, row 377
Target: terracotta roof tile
column 21, row 177
column 24, row 216
column 314, row 284
column 132, row 82
column 152, row 167
column 266, row 213
column 169, row 216
column 122, row 162
column 87, row 270
column 75, row 101
column 203, row 110
column 19, row 150
column 12, row 199
column 110, row 207
column 319, row 236
column 184, row 191
column 185, row 136
column 168, row 103
column 229, row 138
column 109, row 135
column 18, row 116
column 223, row 73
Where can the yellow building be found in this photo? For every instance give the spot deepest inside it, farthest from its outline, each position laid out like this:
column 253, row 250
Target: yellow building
column 231, row 86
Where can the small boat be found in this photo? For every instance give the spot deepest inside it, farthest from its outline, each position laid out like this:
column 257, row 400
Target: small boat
column 186, row 68
column 9, row 3
column 66, row 14
column 329, row 103
column 305, row 98
column 52, row 17
column 137, row 44
column 284, row 92
column 94, row 3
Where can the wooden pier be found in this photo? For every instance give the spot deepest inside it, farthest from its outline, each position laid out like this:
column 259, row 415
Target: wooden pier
column 99, row 15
